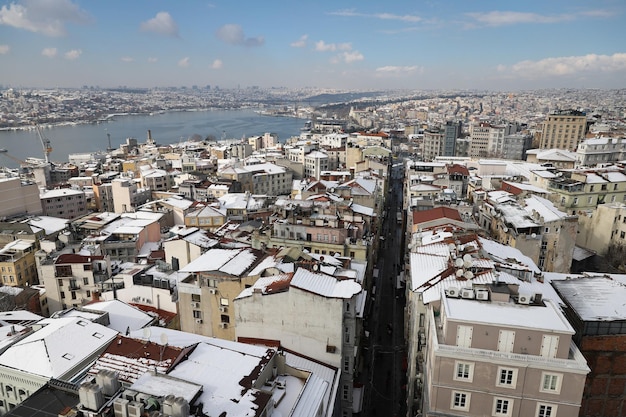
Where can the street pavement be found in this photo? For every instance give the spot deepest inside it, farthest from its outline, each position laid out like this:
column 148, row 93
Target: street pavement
column 384, row 377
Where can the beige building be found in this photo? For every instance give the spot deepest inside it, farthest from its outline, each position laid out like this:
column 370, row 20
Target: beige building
column 501, row 354
column 563, row 129
column 64, row 202
column 17, row 263
column 19, row 197
column 70, row 279
column 205, row 299
column 128, row 195
column 602, row 228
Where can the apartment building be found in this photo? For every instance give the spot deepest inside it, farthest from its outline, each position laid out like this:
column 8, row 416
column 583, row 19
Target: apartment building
column 496, row 352
column 594, row 306
column 534, row 226
column 315, row 163
column 19, row 197
column 270, row 179
column 71, row 279
column 563, row 129
column 128, row 194
column 580, row 190
column 51, row 349
column 326, row 311
column 602, row 228
column 433, row 144
column 63, row 202
column 17, row 263
column 601, row 150
column 205, row 298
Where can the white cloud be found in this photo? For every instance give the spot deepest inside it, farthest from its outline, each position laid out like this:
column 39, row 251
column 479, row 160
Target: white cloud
column 73, row 54
column 322, row 46
column 569, row 65
column 4, row 49
column 234, row 35
column 397, row 71
column 46, row 17
column 127, row 59
column 162, row 23
column 152, row 59
column 502, row 18
column 184, row 63
column 49, row 52
column 217, row 64
column 381, row 16
column 300, row 43
column 352, row 56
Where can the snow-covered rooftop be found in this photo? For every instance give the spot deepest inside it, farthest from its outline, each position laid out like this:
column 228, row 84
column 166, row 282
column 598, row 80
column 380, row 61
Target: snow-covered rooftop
column 594, row 298
column 325, row 285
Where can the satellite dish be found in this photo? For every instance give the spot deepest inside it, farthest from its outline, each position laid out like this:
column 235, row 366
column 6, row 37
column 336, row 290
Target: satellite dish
column 459, row 272
column 458, row 262
column 468, row 274
column 163, row 339
column 451, row 247
column 467, row 257
column 316, row 267
column 534, row 235
column 505, row 229
column 467, row 264
column 146, row 333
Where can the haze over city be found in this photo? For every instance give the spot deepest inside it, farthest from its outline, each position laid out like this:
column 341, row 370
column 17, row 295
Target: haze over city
column 368, row 45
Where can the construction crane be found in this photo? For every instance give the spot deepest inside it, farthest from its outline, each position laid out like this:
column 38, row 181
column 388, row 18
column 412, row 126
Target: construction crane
column 45, row 143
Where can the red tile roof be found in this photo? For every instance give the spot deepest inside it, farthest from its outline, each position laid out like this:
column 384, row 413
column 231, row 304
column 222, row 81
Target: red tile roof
column 73, row 258
column 436, row 213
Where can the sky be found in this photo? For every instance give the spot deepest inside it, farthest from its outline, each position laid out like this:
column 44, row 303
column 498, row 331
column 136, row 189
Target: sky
column 365, row 45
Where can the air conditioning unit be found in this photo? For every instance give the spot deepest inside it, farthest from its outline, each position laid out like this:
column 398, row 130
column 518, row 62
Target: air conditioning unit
column 213, row 291
column 223, row 325
column 199, row 321
column 453, row 292
column 135, row 409
column 120, row 407
column 467, row 293
column 130, row 395
column 195, row 305
column 223, row 309
column 482, row 295
column 524, row 299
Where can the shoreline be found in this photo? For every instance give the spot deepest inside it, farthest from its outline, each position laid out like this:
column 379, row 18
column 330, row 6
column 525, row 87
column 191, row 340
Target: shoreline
column 111, row 117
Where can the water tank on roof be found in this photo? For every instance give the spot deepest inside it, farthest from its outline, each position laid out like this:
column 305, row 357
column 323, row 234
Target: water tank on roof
column 180, row 407
column 109, row 382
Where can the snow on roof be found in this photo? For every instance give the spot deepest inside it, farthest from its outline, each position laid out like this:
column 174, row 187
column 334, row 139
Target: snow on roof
column 263, row 284
column 324, row 285
column 48, row 224
column 50, row 351
column 508, row 314
column 544, row 174
column 178, row 202
column 593, row 178
column 357, row 208
column 529, row 187
column 517, row 216
column 268, row 261
column 220, row 368
column 161, row 385
column 121, row 315
column 230, row 261
column 545, row 208
column 613, row 176
column 428, row 262
column 594, row 298
column 503, row 253
column 60, row 192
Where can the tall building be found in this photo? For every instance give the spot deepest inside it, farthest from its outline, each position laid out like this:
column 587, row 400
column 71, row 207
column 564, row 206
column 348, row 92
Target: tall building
column 563, row 129
column 451, row 132
column 19, row 197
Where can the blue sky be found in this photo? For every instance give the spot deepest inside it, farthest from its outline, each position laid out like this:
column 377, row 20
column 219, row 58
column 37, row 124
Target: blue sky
column 366, row 45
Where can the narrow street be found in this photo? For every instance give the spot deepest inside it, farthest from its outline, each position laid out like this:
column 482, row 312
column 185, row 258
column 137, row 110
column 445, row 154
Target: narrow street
column 385, row 392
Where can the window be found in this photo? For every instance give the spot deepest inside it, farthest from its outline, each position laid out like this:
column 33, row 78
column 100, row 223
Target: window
column 224, row 302
column 550, row 383
column 507, row 377
column 460, row 401
column 546, row 410
column 464, row 371
column 197, row 314
column 62, row 294
column 85, row 280
column 195, row 298
column 502, row 407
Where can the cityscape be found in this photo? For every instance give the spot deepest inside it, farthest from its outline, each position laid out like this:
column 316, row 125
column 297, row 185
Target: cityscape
column 190, row 227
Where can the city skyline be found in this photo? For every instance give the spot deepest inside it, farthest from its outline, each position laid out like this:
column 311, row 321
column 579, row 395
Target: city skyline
column 400, row 45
